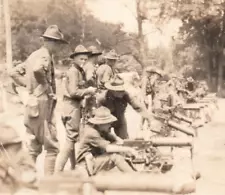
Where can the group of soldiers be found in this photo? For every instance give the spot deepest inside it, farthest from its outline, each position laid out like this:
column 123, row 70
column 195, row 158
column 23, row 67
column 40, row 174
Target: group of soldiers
column 93, row 83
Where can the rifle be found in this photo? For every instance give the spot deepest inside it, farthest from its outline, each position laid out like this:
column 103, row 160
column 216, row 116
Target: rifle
column 149, row 156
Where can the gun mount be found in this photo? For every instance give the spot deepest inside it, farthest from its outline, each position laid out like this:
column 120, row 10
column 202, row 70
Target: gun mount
column 149, row 158
column 167, row 117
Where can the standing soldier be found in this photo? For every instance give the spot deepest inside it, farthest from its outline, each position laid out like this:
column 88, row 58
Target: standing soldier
column 91, row 66
column 106, row 71
column 149, row 86
column 75, row 91
column 41, row 101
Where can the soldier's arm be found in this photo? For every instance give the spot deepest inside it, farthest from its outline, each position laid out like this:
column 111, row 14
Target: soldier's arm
column 144, row 85
column 41, row 66
column 96, row 141
column 73, row 85
column 89, row 70
column 18, row 74
column 137, row 106
column 107, row 75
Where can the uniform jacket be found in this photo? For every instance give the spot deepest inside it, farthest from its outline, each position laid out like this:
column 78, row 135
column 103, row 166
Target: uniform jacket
column 104, row 73
column 118, row 106
column 36, row 73
column 75, row 88
column 90, row 73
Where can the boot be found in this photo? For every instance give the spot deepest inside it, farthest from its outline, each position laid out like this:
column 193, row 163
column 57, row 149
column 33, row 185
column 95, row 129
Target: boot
column 72, row 160
column 50, row 160
column 63, row 156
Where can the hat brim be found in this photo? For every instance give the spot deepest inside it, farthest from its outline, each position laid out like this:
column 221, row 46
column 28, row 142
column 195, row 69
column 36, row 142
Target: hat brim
column 56, row 39
column 114, row 88
column 154, row 73
column 96, row 54
column 80, row 53
column 111, row 58
column 100, row 121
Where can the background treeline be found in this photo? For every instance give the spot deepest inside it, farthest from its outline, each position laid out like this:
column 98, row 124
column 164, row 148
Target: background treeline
column 198, row 51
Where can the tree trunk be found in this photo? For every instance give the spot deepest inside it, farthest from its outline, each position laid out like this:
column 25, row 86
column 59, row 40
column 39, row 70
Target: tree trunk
column 8, row 34
column 220, row 76
column 209, row 70
column 141, row 43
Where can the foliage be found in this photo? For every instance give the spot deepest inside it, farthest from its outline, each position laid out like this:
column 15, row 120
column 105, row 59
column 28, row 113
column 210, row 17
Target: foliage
column 30, row 21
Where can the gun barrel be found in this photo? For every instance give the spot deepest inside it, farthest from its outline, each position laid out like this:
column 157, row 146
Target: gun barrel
column 171, row 141
column 180, row 127
column 145, row 183
column 182, row 117
column 194, row 106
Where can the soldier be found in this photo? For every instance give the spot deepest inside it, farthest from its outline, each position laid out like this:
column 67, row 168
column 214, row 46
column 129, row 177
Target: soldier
column 117, row 99
column 149, row 86
column 41, row 101
column 17, row 169
column 75, row 91
column 91, row 66
column 106, row 71
column 97, row 151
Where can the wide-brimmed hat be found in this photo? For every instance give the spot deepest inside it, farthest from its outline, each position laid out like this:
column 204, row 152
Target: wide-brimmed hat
column 102, row 115
column 53, row 32
column 190, row 79
column 154, row 70
column 111, row 55
column 80, row 49
column 115, row 84
column 182, row 90
column 94, row 51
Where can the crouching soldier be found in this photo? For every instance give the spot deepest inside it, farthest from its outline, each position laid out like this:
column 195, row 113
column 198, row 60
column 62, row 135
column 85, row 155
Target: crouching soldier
column 97, row 151
column 116, row 100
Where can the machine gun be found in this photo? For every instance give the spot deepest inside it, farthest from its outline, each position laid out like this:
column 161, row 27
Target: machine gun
column 150, row 158
column 167, row 119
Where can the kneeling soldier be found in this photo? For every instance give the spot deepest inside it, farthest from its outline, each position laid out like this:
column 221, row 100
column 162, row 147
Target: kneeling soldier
column 97, row 153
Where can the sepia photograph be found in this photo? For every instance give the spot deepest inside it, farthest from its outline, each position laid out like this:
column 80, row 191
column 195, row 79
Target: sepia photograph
column 112, row 97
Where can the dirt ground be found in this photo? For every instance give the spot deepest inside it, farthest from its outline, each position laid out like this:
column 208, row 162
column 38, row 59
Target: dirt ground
column 209, row 155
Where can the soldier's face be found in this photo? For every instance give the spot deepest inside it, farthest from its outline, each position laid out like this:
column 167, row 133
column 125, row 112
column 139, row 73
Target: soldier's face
column 154, row 78
column 111, row 62
column 105, row 127
column 80, row 60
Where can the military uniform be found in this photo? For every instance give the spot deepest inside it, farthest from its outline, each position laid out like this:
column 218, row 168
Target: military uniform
column 117, row 106
column 40, row 83
column 105, row 72
column 93, row 143
column 90, row 67
column 40, row 104
column 75, row 89
column 150, row 90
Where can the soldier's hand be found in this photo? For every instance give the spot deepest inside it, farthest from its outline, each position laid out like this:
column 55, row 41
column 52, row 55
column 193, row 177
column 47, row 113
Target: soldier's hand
column 146, row 101
column 132, row 152
column 53, row 96
column 91, row 90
